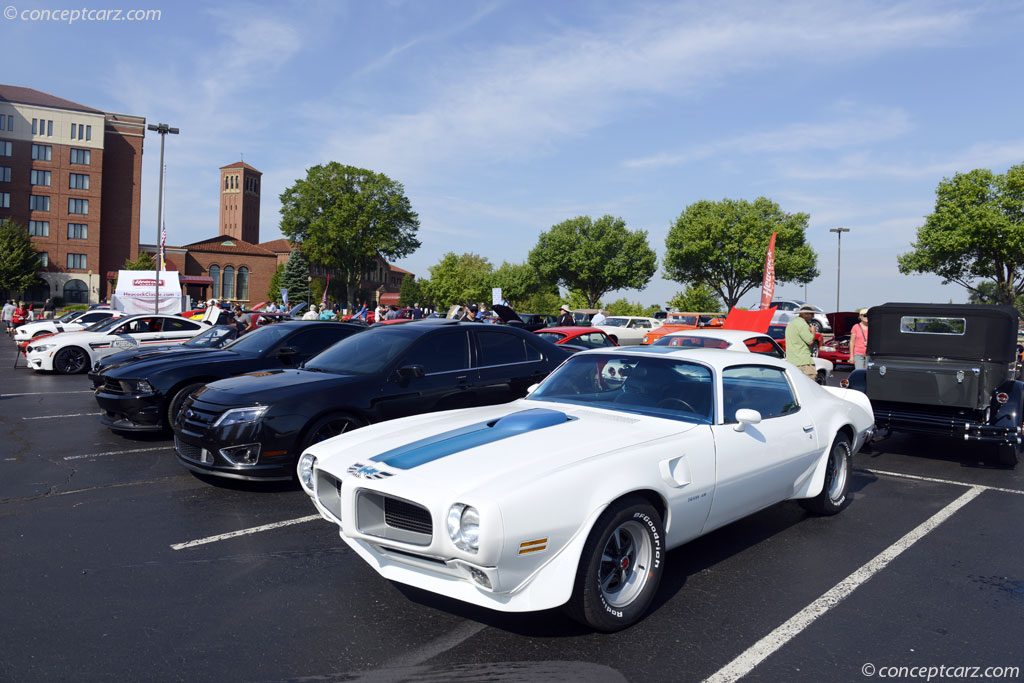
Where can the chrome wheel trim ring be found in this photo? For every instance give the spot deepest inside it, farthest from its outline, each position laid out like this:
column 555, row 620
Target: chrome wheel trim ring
column 620, row 586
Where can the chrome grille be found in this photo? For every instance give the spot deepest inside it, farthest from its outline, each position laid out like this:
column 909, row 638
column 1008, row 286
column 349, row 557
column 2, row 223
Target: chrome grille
column 401, row 514
column 190, row 452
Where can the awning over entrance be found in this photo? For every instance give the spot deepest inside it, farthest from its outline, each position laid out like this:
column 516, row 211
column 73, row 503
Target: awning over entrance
column 389, row 298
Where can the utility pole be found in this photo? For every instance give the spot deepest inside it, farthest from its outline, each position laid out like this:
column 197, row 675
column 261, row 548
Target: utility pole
column 163, row 129
column 839, row 257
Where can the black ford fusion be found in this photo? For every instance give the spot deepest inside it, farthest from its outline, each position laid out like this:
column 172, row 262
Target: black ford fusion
column 214, row 338
column 255, row 426
column 146, row 394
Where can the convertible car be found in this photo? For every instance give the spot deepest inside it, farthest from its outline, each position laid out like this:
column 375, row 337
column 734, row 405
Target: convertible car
column 572, row 495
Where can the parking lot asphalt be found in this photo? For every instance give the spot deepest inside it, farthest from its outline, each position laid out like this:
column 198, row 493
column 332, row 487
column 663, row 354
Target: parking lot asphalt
column 119, row 563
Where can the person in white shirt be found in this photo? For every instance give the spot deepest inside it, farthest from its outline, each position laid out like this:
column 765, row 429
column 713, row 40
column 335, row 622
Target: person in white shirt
column 598, row 319
column 312, row 313
column 7, row 313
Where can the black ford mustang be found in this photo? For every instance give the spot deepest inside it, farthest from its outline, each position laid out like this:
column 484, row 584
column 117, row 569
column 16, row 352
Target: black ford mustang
column 255, row 426
column 145, row 394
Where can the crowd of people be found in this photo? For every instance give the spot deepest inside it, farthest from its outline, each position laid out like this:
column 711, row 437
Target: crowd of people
column 16, row 314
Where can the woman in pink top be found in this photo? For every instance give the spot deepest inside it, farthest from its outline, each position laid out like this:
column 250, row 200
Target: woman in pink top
column 859, row 342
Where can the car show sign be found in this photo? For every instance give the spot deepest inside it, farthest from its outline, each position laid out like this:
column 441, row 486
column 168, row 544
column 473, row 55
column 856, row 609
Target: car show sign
column 768, row 285
column 136, row 290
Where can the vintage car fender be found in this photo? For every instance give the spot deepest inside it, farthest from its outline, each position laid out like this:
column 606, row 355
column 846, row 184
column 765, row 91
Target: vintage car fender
column 1010, row 414
column 858, row 380
column 837, row 421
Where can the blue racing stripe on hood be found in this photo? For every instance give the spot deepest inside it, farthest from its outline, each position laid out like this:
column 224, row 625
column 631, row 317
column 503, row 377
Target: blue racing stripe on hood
column 447, row 443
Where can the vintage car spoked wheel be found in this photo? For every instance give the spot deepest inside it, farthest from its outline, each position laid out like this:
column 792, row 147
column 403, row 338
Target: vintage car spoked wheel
column 837, row 479
column 620, row 567
column 330, row 426
column 70, row 361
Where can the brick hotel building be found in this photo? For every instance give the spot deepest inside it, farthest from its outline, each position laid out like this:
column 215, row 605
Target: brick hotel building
column 71, row 175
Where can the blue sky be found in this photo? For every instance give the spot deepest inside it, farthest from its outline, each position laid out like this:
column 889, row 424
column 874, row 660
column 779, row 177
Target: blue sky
column 504, row 118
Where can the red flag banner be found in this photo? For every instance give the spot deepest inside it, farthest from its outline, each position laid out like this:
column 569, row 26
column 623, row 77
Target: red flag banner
column 768, row 285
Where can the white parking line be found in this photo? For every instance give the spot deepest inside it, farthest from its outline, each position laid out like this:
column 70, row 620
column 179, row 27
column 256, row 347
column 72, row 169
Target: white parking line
column 243, row 532
column 53, row 417
column 759, row 651
column 130, row 450
column 46, row 393
column 941, row 481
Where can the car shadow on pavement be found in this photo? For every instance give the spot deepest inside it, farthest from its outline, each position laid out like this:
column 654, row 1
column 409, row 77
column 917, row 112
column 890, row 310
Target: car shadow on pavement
column 248, row 486
column 926, row 447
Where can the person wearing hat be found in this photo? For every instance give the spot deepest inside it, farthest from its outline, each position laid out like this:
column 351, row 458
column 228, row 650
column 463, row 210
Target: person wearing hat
column 859, row 341
column 565, row 319
column 799, row 339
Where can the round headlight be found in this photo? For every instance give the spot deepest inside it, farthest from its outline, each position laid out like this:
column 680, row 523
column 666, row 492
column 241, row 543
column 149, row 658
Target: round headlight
column 464, row 527
column 305, row 469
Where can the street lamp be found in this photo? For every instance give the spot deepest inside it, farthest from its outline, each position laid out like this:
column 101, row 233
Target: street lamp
column 839, row 257
column 309, row 291
column 163, row 129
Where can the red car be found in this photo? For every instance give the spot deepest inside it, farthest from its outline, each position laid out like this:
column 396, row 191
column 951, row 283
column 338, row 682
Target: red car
column 778, row 333
column 587, row 337
column 836, row 347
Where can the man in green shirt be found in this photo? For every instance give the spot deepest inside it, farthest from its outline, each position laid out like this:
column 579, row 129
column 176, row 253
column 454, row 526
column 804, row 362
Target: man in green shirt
column 799, row 339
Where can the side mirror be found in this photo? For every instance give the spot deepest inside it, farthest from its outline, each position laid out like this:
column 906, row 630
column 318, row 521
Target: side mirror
column 408, row 372
column 746, row 416
column 532, row 388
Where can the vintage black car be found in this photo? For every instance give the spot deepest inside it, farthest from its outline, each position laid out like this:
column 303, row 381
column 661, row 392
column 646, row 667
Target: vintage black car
column 145, row 394
column 214, row 338
column 256, row 425
column 946, row 369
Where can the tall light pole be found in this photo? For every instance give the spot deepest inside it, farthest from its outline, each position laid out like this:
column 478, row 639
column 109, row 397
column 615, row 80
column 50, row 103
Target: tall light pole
column 163, row 129
column 839, row 257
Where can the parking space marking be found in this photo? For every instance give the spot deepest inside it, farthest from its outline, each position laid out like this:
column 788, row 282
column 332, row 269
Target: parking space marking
column 46, row 393
column 129, row 450
column 243, row 532
column 53, row 417
column 941, row 481
column 762, row 649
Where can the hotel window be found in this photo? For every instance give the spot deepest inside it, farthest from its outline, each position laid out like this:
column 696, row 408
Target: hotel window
column 42, row 127
column 9, row 120
column 39, row 228
column 44, row 259
column 35, row 126
column 5, row 173
column 78, row 231
column 78, row 181
column 5, row 148
column 80, row 156
column 79, row 206
column 40, row 178
column 5, row 200
column 49, row 128
column 215, row 276
column 228, row 282
column 42, row 153
column 39, row 202
column 74, row 128
column 76, row 261
column 243, row 283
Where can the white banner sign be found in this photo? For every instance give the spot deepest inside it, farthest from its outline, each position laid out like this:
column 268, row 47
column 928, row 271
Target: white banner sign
column 136, row 291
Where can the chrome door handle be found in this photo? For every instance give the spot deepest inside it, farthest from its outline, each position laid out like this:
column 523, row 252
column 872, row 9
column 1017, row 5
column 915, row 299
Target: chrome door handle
column 808, row 428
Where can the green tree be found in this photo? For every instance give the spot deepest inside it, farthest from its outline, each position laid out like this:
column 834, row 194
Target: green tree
column 987, row 292
column 576, row 298
column 345, row 217
column 519, row 282
column 975, row 232
column 696, row 298
column 145, row 261
column 276, row 283
column 19, row 260
column 542, row 302
column 409, row 293
column 460, row 280
column 624, row 307
column 295, row 277
column 723, row 245
column 594, row 257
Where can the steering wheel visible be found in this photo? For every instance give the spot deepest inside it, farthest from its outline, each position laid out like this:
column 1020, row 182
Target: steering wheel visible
column 675, row 404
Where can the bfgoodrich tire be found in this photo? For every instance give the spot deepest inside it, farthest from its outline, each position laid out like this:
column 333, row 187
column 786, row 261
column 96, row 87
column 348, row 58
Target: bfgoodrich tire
column 620, row 567
column 837, row 480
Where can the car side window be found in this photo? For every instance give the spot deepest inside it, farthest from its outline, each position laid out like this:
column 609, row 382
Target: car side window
column 594, row 340
column 499, row 348
column 93, row 317
column 765, row 346
column 317, row 339
column 446, row 352
column 757, row 387
column 172, row 325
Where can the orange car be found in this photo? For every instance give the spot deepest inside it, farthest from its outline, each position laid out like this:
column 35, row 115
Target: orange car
column 680, row 322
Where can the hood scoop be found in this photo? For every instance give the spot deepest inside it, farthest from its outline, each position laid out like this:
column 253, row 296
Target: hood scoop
column 471, row 436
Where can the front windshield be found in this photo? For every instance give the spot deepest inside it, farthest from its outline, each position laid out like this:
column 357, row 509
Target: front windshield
column 259, row 341
column 68, row 317
column 105, row 324
column 213, row 338
column 366, row 353
column 615, row 322
column 660, row 387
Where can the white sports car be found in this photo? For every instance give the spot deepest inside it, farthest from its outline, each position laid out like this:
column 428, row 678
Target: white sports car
column 72, row 352
column 573, row 495
column 71, row 322
column 737, row 340
column 627, row 330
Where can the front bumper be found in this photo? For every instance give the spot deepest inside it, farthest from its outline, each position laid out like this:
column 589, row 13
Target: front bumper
column 40, row 360
column 131, row 412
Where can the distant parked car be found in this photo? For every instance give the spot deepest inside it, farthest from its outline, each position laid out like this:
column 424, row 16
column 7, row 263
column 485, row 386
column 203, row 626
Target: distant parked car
column 71, row 322
column 586, row 337
column 786, row 310
column 627, row 330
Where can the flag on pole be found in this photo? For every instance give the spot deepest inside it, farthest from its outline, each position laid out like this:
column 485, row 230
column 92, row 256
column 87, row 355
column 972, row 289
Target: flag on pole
column 768, row 285
column 323, row 300
column 163, row 244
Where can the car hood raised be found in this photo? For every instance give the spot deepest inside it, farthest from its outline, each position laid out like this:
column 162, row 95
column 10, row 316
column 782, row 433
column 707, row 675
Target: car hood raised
column 468, row 450
column 272, row 386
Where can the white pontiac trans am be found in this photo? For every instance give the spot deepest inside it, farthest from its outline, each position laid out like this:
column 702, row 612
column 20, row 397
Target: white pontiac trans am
column 69, row 353
column 573, row 495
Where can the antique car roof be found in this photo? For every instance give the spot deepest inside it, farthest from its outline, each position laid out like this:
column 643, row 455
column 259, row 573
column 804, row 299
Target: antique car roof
column 990, row 332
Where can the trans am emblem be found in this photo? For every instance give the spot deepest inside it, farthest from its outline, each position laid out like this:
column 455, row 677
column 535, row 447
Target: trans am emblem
column 368, row 472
